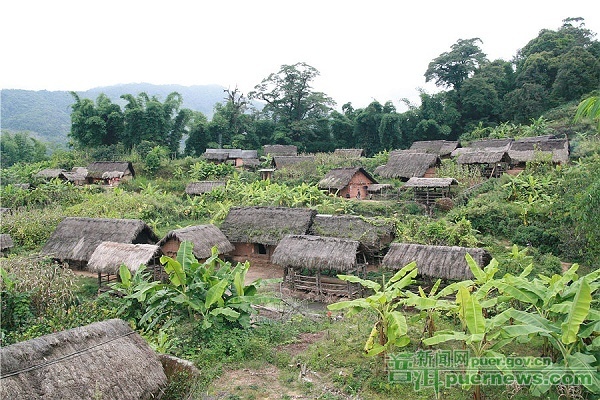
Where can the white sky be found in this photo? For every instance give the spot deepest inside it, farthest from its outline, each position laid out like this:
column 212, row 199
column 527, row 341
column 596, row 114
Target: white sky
column 364, row 50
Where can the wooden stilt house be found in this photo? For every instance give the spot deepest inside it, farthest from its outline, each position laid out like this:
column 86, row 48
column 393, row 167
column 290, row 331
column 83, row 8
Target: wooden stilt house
column 428, row 190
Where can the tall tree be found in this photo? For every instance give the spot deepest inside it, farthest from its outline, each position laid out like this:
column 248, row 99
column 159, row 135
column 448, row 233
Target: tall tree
column 292, row 103
column 451, row 69
column 98, row 124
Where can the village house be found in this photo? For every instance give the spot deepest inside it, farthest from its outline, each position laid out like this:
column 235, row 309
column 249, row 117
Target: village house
column 311, row 263
column 199, row 188
column 75, row 238
column 429, row 190
column 347, row 182
column 280, row 150
column 441, row 148
column 446, row 262
column 202, row 237
column 255, row 231
column 107, row 258
column 109, row 173
column 406, row 164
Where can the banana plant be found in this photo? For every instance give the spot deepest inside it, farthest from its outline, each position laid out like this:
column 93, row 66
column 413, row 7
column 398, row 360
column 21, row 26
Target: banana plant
column 390, row 329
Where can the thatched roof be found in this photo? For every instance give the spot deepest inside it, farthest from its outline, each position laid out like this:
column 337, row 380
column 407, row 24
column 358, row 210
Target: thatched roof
column 430, row 182
column 50, row 173
column 77, row 174
column 105, row 360
column 498, row 144
column 349, row 152
column 406, row 164
column 6, row 242
column 287, row 161
column 527, row 149
column 339, row 178
column 373, row 234
column 202, row 187
column 379, row 187
column 75, row 239
column 109, row 169
column 109, row 256
column 280, row 150
column 435, row 261
column 265, row 225
column 229, row 154
column 483, row 157
column 316, row 252
column 439, row 147
column 203, row 237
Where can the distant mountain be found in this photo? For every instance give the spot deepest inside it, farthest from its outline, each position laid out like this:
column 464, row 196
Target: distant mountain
column 47, row 114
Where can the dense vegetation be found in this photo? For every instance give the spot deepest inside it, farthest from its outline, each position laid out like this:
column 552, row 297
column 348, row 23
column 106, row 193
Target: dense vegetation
column 536, row 225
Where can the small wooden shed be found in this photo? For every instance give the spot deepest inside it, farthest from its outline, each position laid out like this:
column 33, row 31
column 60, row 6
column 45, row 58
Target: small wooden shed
column 350, row 182
column 255, row 231
column 108, row 257
column 109, row 172
column 198, row 188
column 75, row 238
column 105, row 360
column 406, row 164
column 311, row 263
column 202, row 237
column 428, row 190
column 447, row 262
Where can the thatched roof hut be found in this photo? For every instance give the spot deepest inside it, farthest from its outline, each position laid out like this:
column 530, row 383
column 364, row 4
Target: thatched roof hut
column 265, row 225
column 6, row 242
column 197, row 188
column 483, row 157
column 109, row 256
column 280, row 150
column 349, row 153
column 75, row 238
column 105, row 360
column 289, row 161
column 203, row 238
column 222, row 155
column 446, row 262
column 440, row 147
column 430, row 183
column 316, row 253
column 407, row 164
column 110, row 169
column 374, row 235
column 527, row 149
column 219, row 155
column 50, row 173
column 339, row 178
column 77, row 175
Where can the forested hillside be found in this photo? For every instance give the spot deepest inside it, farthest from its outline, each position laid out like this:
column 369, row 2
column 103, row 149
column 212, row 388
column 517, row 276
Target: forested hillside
column 47, row 114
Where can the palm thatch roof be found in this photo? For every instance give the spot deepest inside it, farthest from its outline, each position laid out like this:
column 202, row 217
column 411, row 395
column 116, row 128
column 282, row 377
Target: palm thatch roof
column 6, row 242
column 406, row 164
column 339, row 178
column 77, row 174
column 109, row 169
column 483, row 157
column 280, row 150
column 196, row 188
column 527, row 149
column 50, row 173
column 217, row 154
column 439, row 147
column 488, row 144
column 430, row 182
column 446, row 262
column 109, row 256
column 105, row 360
column 288, row 161
column 265, row 225
column 75, row 238
column 379, row 187
column 350, row 153
column 373, row 234
column 203, row 238
column 316, row 252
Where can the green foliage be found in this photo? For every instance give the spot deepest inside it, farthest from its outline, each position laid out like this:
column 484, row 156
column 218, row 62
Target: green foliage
column 211, row 293
column 31, row 229
column 20, row 148
column 390, row 329
column 441, row 232
column 205, row 170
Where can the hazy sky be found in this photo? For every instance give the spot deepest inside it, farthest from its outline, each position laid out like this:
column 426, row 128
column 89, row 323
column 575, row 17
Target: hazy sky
column 364, row 50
